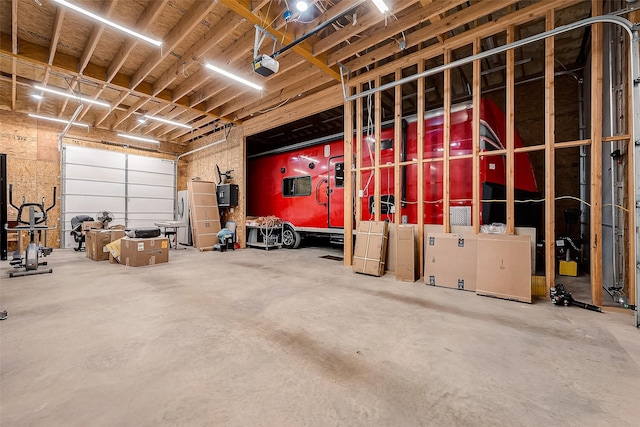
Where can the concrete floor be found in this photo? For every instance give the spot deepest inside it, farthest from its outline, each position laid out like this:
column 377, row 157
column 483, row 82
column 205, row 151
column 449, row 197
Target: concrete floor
column 285, row 338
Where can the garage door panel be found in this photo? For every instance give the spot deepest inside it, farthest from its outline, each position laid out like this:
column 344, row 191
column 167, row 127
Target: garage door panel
column 150, row 164
column 151, row 205
column 93, row 173
column 90, row 205
column 136, row 190
column 94, row 157
column 148, row 178
column 91, row 188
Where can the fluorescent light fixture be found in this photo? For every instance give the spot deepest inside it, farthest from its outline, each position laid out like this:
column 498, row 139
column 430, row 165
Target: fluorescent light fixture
column 54, row 119
column 70, row 95
column 169, row 122
column 233, row 76
column 38, row 97
column 302, row 6
column 139, row 138
column 379, row 4
column 109, row 23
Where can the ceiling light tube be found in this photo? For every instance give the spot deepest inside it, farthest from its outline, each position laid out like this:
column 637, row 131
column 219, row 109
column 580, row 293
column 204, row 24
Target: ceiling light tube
column 169, row 122
column 109, row 23
column 382, row 7
column 233, row 76
column 71, row 95
column 54, row 119
column 139, row 138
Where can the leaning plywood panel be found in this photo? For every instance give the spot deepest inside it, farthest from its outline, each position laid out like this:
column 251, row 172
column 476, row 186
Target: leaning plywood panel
column 205, row 217
column 451, row 260
column 504, row 266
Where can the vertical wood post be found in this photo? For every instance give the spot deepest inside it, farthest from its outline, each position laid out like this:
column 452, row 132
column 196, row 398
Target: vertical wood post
column 397, row 147
column 446, row 145
column 377, row 130
column 358, row 151
column 596, row 157
column 549, row 156
column 420, row 139
column 477, row 75
column 510, row 107
column 348, row 181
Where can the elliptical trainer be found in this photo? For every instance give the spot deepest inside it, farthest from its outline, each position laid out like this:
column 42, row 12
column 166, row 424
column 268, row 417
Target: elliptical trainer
column 36, row 222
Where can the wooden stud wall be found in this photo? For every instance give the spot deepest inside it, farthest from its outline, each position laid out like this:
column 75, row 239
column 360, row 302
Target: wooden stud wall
column 348, row 183
column 548, row 148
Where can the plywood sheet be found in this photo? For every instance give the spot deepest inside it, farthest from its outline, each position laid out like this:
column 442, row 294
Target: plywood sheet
column 504, row 266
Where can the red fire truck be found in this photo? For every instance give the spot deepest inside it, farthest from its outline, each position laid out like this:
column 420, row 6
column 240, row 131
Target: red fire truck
column 303, row 184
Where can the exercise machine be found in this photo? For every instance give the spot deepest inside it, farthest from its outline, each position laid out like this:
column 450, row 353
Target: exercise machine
column 35, row 225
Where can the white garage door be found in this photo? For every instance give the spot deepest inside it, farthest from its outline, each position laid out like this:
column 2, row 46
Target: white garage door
column 138, row 190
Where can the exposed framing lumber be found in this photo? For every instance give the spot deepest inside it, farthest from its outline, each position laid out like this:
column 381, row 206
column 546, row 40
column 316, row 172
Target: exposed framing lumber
column 549, row 156
column 476, row 94
column 596, row 157
column 348, row 182
column 377, row 186
column 243, row 9
column 53, row 47
column 510, row 132
column 446, row 142
column 397, row 147
column 421, row 164
column 358, row 153
column 96, row 33
column 14, row 50
column 522, row 16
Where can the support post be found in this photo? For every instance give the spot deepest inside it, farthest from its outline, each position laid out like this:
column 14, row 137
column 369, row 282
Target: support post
column 446, row 142
column 420, row 135
column 477, row 75
column 348, row 181
column 549, row 157
column 510, row 131
column 596, row 158
column 397, row 148
column 377, row 201
column 358, row 152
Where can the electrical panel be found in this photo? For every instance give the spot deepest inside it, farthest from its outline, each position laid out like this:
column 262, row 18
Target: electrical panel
column 227, row 195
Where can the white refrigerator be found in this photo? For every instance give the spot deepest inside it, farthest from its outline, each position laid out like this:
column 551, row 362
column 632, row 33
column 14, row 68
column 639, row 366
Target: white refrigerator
column 182, row 214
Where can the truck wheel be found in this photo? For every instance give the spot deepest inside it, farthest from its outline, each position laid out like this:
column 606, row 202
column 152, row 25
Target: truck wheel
column 290, row 238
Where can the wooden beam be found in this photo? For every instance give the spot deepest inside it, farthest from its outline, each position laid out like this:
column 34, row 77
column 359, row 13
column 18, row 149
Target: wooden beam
column 421, row 164
column 510, row 131
column 209, row 41
column 53, row 46
column 377, row 124
column 358, row 153
column 96, row 33
column 302, row 49
column 446, row 145
column 527, row 14
column 14, row 50
column 188, row 23
column 596, row 157
column 397, row 149
column 348, row 182
column 476, row 181
column 549, row 157
column 409, row 19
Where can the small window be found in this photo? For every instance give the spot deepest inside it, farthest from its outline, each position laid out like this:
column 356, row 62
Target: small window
column 339, row 181
column 385, row 144
column 296, row 186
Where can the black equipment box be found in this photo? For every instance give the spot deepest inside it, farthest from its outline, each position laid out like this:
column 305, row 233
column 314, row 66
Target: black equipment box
column 227, row 195
column 144, row 233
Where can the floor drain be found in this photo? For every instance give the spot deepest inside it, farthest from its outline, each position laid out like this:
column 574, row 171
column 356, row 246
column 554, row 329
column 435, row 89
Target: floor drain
column 332, row 257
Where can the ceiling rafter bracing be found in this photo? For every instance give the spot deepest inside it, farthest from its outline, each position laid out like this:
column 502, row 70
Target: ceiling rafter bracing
column 516, row 18
column 303, row 49
column 171, row 115
column 152, row 112
column 425, row 33
column 53, row 46
column 145, row 20
column 14, row 50
column 206, row 43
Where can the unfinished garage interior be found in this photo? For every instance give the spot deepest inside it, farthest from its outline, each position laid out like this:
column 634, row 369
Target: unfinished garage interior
column 321, row 212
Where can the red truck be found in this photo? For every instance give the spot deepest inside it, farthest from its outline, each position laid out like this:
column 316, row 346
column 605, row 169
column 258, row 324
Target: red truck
column 303, row 184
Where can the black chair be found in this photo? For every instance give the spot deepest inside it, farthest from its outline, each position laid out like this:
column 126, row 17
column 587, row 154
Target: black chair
column 76, row 229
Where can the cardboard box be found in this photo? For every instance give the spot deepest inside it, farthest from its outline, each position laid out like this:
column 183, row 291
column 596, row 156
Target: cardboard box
column 451, row 260
column 504, row 266
column 204, row 214
column 90, row 225
column 406, row 253
column 370, row 252
column 95, row 243
column 136, row 252
column 117, row 227
column 114, row 246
